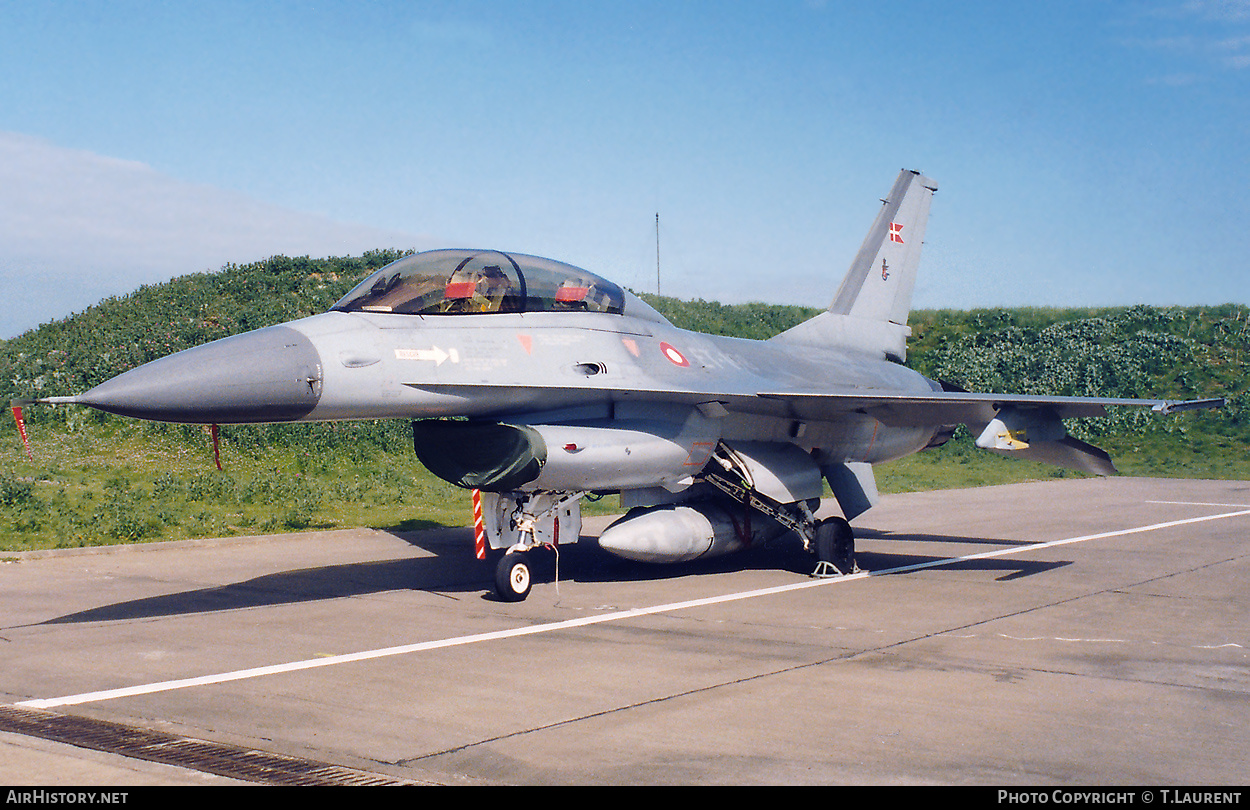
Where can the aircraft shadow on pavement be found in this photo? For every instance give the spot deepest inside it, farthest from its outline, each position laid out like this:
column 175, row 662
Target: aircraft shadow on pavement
column 863, row 533
column 1012, row 569
column 452, row 568
column 879, row 558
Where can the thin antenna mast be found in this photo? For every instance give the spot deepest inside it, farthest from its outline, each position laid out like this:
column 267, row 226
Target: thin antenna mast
column 657, row 252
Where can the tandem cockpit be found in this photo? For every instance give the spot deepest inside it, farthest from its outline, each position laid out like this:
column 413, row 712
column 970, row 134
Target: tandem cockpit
column 477, row 282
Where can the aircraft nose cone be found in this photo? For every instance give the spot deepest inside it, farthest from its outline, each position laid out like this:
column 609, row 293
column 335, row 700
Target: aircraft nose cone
column 270, row 375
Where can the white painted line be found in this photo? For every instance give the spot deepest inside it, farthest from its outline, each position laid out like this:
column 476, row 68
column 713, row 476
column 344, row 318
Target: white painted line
column 1201, row 503
column 405, row 649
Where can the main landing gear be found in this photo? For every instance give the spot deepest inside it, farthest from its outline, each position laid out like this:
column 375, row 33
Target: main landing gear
column 834, row 546
column 831, row 540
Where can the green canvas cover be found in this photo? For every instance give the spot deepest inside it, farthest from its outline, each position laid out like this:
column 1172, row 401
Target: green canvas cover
column 489, row 456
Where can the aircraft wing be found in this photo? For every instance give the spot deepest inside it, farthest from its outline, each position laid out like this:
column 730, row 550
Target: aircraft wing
column 959, row 407
column 896, row 409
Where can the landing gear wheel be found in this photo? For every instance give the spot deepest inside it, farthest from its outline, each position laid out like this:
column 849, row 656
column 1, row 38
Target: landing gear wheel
column 835, row 545
column 512, row 577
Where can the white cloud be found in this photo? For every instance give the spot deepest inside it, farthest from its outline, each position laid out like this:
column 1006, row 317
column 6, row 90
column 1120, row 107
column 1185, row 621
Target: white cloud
column 76, row 227
column 1214, row 35
column 1219, row 10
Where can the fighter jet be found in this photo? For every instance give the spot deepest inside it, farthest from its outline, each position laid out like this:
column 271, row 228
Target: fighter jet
column 533, row 384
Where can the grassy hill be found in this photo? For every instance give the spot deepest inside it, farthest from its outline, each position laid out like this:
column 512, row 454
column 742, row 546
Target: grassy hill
column 101, row 479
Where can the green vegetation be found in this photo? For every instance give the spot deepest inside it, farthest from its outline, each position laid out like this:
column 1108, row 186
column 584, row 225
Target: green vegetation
column 99, row 479
column 754, row 321
column 119, row 481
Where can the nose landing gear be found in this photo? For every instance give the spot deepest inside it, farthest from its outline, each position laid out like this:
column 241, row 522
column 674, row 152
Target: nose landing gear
column 512, row 577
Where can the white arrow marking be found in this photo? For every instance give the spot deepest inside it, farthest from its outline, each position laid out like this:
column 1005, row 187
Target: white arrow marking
column 436, row 354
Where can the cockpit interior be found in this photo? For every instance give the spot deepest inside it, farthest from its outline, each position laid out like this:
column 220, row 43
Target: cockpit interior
column 464, row 282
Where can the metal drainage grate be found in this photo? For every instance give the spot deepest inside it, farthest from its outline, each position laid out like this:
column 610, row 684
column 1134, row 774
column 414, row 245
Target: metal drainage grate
column 170, row 749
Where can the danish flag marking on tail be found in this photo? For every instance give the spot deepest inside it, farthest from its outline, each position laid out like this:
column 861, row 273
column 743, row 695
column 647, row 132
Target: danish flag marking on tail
column 896, row 232
column 479, row 528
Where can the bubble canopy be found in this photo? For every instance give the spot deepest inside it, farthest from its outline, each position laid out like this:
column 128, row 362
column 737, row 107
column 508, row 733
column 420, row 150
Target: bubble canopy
column 475, row 282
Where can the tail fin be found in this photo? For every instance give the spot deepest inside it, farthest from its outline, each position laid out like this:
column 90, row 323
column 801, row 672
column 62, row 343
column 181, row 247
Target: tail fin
column 871, row 307
column 881, row 279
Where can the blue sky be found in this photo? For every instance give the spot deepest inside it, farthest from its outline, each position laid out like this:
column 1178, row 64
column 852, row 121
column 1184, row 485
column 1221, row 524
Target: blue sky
column 1089, row 153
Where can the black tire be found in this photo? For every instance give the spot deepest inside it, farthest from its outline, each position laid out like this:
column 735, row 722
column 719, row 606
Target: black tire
column 512, row 578
column 835, row 544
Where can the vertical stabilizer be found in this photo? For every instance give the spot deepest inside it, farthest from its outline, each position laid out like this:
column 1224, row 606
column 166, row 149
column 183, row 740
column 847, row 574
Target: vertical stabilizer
column 869, row 312
column 881, row 279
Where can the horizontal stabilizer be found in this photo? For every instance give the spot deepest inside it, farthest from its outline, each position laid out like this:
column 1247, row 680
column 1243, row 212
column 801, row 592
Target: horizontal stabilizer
column 1067, row 452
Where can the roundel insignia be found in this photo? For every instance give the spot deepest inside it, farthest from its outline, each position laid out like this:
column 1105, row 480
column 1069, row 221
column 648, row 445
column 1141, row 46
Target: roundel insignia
column 675, row 357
